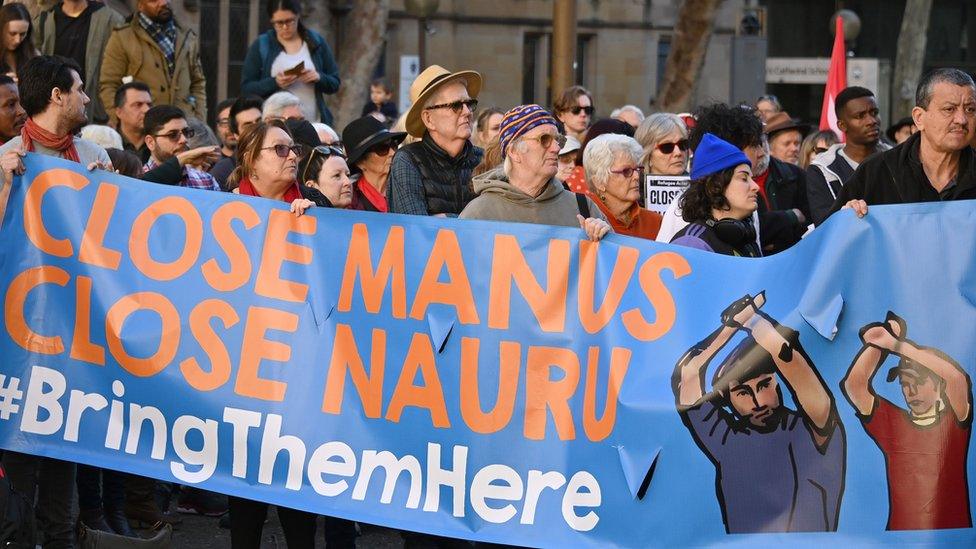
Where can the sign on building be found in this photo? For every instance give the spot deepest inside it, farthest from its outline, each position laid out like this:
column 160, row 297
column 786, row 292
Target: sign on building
column 409, row 69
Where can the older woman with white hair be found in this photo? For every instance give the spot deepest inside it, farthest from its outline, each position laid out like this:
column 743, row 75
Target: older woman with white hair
column 613, row 173
column 664, row 139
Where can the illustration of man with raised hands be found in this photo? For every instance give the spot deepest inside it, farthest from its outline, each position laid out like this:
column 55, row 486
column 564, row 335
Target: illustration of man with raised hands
column 925, row 446
column 776, row 469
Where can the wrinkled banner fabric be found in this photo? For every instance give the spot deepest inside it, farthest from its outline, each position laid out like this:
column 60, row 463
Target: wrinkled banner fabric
column 499, row 382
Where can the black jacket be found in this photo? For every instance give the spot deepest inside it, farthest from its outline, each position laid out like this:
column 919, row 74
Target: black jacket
column 897, row 177
column 786, row 188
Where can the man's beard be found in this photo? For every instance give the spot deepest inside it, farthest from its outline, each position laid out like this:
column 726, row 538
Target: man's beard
column 165, row 15
column 768, row 423
column 79, row 122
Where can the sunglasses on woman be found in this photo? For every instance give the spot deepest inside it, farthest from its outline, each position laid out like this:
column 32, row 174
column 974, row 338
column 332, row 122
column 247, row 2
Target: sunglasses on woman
column 323, row 150
column 283, row 150
column 578, row 109
column 456, row 106
column 668, row 148
column 382, row 149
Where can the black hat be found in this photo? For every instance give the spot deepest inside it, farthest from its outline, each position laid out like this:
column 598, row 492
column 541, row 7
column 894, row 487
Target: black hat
column 303, row 133
column 893, row 129
column 362, row 133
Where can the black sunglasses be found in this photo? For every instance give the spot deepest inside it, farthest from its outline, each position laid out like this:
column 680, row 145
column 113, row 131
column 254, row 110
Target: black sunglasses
column 668, row 148
column 471, row 104
column 283, row 150
column 577, row 109
column 383, row 149
column 175, row 134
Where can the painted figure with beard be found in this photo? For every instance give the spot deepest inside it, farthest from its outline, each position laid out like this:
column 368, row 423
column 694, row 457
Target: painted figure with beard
column 924, row 446
column 776, row 469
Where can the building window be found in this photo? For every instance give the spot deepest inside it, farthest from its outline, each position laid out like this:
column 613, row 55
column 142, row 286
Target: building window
column 663, row 50
column 530, row 52
column 582, row 65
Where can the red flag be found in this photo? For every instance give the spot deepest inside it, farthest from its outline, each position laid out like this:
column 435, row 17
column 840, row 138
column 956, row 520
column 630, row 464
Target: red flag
column 836, row 81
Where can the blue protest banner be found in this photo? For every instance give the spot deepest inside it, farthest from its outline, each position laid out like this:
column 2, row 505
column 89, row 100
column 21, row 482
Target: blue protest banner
column 499, row 382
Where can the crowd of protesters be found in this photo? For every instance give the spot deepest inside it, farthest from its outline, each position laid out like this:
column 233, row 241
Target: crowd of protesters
column 759, row 179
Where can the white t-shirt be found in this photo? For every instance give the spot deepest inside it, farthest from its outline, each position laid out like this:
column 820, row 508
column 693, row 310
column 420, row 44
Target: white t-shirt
column 305, row 92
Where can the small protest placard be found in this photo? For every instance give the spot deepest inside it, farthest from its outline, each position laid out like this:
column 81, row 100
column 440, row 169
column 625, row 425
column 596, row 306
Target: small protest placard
column 661, row 190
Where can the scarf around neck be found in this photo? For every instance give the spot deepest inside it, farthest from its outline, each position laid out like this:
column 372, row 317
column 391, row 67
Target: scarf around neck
column 245, row 187
column 64, row 144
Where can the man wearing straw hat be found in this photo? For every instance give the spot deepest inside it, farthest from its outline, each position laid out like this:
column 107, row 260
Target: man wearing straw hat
column 433, row 175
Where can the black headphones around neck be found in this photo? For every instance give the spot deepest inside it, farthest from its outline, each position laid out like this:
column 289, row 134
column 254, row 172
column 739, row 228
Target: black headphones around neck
column 734, row 232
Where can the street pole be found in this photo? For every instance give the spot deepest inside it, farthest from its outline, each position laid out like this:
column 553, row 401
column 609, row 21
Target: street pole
column 563, row 46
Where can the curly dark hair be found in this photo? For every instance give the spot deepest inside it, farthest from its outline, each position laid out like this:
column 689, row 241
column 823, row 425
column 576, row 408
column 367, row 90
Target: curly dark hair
column 704, row 195
column 738, row 125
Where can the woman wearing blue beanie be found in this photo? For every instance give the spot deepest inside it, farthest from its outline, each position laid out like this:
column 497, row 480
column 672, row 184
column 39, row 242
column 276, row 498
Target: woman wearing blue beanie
column 719, row 201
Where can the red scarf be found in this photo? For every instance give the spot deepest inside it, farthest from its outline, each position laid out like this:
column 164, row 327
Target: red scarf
column 761, row 181
column 245, row 187
column 64, row 144
column 372, row 195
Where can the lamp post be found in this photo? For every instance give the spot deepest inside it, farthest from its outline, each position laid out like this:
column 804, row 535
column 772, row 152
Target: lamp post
column 563, row 46
column 852, row 28
column 421, row 9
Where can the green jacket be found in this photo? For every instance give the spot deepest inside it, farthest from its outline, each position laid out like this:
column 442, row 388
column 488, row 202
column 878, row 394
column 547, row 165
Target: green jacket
column 131, row 52
column 103, row 21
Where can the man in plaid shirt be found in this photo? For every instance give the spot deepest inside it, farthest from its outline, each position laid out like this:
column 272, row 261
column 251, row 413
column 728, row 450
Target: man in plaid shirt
column 167, row 133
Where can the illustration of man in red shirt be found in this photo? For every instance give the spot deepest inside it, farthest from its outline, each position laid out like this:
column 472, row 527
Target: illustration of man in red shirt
column 926, row 446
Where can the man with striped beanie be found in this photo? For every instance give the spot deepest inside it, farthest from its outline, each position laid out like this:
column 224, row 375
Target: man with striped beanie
column 525, row 190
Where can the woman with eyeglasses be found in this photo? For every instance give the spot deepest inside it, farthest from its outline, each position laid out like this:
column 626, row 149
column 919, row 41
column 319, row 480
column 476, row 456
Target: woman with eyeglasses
column 576, row 181
column 768, row 105
column 814, row 144
column 267, row 165
column 293, row 58
column 371, row 147
column 614, row 174
column 664, row 139
column 574, row 109
column 719, row 203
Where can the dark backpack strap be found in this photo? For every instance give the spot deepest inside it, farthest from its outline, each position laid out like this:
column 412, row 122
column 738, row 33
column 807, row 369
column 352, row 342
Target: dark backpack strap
column 583, row 205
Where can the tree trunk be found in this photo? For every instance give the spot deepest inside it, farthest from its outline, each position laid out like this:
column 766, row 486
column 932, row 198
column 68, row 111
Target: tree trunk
column 910, row 57
column 362, row 43
column 692, row 31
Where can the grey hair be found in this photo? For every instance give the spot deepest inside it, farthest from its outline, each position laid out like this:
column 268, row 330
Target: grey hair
column 203, row 136
column 600, row 153
column 654, row 128
column 276, row 103
column 926, row 86
column 517, row 143
column 435, row 97
column 323, row 127
column 105, row 136
column 633, row 108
